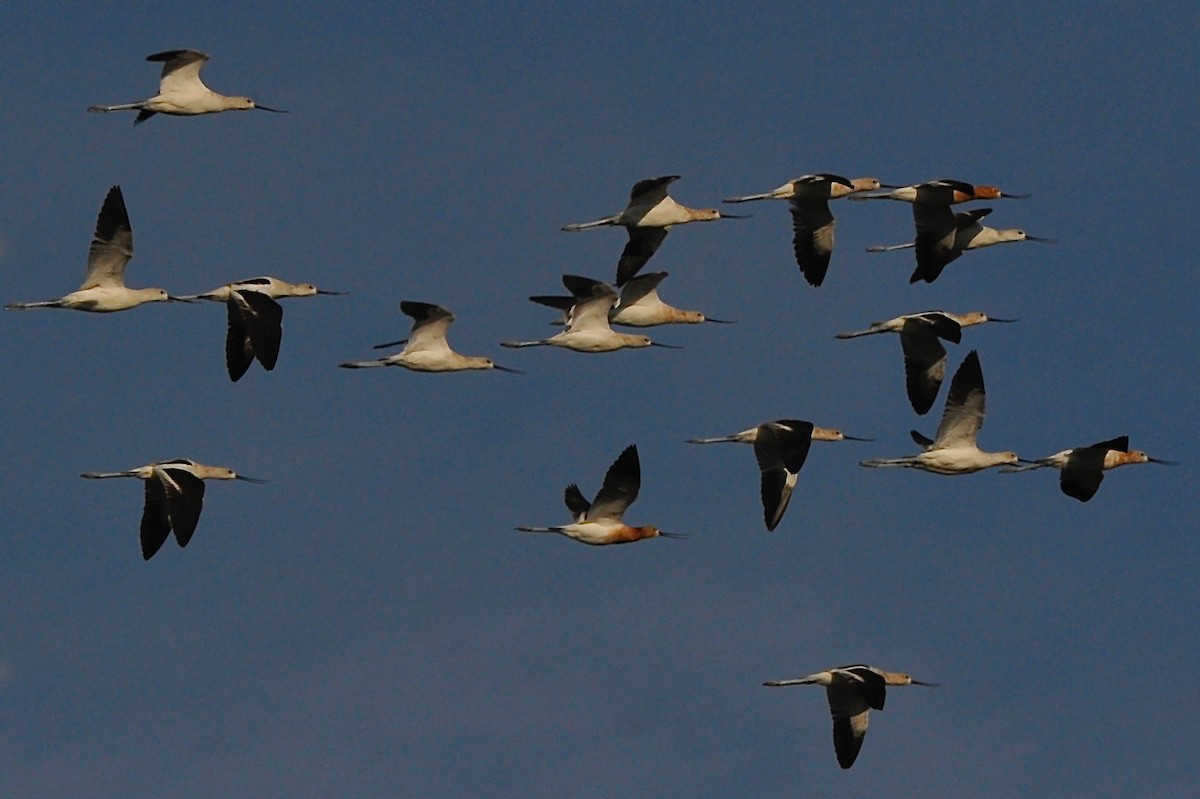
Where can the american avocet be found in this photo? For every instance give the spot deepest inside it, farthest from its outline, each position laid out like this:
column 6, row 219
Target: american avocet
column 174, row 498
column 255, row 330
column 781, row 448
column 599, row 521
column 638, row 306
column 942, row 192
column 103, row 289
column 587, row 328
column 853, row 692
column 1081, row 470
column 426, row 348
column 924, row 355
column 812, row 223
column 942, row 236
column 651, row 212
column 273, row 287
column 953, row 450
column 181, row 92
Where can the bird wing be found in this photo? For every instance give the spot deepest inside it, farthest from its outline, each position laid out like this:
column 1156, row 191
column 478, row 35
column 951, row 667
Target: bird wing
column 576, row 502
column 621, row 485
column 181, row 70
column 184, row 493
column 812, row 226
column 924, row 362
column 781, row 448
column 112, row 244
column 936, row 229
column 1081, row 475
column 643, row 243
column 642, row 289
column 651, row 191
column 156, row 522
column 255, row 330
column 593, row 300
column 848, row 734
column 429, row 328
column 966, row 405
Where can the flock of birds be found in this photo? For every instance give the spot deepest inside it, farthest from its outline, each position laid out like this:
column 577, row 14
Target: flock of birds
column 174, row 490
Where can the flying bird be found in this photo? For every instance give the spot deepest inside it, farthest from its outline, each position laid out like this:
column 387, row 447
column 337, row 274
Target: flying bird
column 639, row 305
column 780, row 447
column 853, row 692
column 103, row 290
column 648, row 217
column 181, row 92
column 600, row 521
column 174, row 498
column 942, row 236
column 942, row 192
column 812, row 223
column 588, row 328
column 924, row 355
column 953, row 450
column 273, row 287
column 426, row 348
column 1081, row 470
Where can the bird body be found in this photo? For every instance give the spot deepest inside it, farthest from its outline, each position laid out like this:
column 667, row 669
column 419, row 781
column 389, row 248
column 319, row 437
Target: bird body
column 600, row 521
column 174, row 498
column 181, row 92
column 953, row 450
column 650, row 213
column 103, row 289
column 426, row 348
column 853, row 692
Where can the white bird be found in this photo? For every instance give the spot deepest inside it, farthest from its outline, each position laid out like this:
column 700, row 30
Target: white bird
column 587, row 328
column 638, row 306
column 781, row 447
column 648, row 217
column 600, row 521
column 812, row 223
column 1081, row 470
column 924, row 355
column 255, row 329
column 853, row 692
column 426, row 348
column 953, row 449
column 174, row 498
column 181, row 92
column 103, row 290
column 273, row 287
column 942, row 236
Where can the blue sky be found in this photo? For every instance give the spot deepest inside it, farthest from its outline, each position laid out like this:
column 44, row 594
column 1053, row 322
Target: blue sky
column 369, row 624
